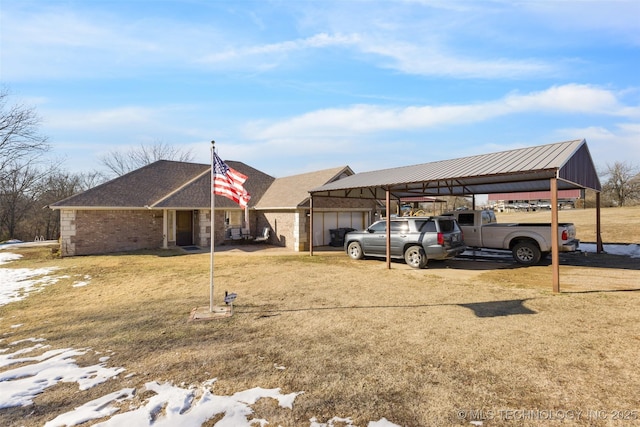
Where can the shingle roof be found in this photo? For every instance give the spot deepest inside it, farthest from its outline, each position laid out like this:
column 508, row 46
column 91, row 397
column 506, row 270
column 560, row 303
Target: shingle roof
column 526, row 169
column 293, row 191
column 139, row 188
column 198, row 194
column 166, row 184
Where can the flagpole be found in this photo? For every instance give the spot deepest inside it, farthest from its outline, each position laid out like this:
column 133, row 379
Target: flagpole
column 213, row 205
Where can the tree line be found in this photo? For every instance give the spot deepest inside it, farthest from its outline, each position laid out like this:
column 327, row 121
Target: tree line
column 30, row 181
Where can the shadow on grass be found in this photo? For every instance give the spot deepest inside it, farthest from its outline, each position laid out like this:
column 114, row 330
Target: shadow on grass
column 490, row 259
column 498, row 308
column 604, row 291
column 480, row 309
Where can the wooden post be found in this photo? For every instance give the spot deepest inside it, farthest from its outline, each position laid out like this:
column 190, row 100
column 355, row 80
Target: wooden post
column 388, row 238
column 599, row 246
column 311, row 225
column 555, row 256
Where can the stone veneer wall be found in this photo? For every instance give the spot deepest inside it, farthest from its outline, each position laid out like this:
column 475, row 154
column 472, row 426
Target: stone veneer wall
column 203, row 228
column 67, row 232
column 86, row 232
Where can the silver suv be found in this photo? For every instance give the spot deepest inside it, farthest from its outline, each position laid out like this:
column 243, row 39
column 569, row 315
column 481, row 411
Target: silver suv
column 416, row 239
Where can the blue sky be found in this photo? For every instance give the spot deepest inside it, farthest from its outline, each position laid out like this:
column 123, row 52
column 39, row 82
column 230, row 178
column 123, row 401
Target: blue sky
column 291, row 86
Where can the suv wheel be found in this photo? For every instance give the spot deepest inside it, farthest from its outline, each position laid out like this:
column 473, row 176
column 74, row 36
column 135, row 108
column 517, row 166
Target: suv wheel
column 415, row 257
column 355, row 250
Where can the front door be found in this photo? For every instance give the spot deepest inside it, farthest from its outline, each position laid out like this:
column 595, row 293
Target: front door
column 184, row 228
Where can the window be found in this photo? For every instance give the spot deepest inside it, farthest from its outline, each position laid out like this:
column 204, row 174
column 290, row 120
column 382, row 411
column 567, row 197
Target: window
column 399, row 226
column 426, row 226
column 447, row 226
column 465, row 218
column 488, row 217
column 234, row 218
column 379, row 227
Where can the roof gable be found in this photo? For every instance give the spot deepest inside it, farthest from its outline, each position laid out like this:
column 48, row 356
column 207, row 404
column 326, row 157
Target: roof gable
column 293, row 191
column 197, row 195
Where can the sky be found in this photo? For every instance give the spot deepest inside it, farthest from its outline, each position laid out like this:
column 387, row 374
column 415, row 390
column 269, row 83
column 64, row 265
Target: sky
column 293, row 86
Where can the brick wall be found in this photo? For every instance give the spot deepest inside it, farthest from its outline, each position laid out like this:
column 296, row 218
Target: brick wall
column 105, row 231
column 282, row 224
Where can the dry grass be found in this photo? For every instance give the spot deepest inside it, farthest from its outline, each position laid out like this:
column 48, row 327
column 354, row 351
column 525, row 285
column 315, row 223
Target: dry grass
column 361, row 341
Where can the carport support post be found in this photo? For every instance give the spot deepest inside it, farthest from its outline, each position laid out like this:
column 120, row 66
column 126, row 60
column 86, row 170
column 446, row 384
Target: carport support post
column 555, row 256
column 599, row 246
column 311, row 224
column 388, row 237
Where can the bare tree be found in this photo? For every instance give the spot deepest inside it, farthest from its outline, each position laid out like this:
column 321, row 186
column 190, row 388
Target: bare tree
column 623, row 183
column 121, row 163
column 55, row 186
column 20, row 192
column 20, row 140
column 89, row 180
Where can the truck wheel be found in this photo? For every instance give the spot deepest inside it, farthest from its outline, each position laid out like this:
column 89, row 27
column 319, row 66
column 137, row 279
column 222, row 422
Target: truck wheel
column 526, row 253
column 415, row 257
column 355, row 250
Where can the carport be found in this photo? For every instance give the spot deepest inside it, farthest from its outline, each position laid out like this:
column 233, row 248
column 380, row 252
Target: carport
column 552, row 167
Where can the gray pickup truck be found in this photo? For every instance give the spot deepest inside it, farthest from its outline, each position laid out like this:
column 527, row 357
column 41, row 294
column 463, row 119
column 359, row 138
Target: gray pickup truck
column 528, row 242
column 414, row 239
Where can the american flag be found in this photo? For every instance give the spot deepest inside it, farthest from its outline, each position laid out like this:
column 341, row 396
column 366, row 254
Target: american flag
column 228, row 182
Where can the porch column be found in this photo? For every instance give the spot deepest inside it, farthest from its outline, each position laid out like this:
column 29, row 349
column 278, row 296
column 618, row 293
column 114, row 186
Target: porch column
column 165, row 230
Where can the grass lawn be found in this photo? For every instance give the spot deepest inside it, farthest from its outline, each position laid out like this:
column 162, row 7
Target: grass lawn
column 417, row 347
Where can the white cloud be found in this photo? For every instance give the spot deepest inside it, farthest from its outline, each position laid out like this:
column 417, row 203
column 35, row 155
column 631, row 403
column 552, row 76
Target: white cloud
column 124, row 116
column 570, row 98
column 317, row 41
column 608, row 144
column 437, row 60
column 358, row 119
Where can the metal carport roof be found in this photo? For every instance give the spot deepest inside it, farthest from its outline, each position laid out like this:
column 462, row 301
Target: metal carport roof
column 552, row 167
column 525, row 169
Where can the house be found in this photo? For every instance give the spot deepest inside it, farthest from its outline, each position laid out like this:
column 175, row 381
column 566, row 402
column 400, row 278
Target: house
column 167, row 204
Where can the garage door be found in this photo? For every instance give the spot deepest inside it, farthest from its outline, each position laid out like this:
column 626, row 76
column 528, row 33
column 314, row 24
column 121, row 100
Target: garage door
column 325, row 221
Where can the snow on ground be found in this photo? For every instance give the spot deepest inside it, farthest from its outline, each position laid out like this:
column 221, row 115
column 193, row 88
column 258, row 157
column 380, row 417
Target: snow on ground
column 17, row 283
column 36, row 373
column 631, row 250
column 38, row 368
